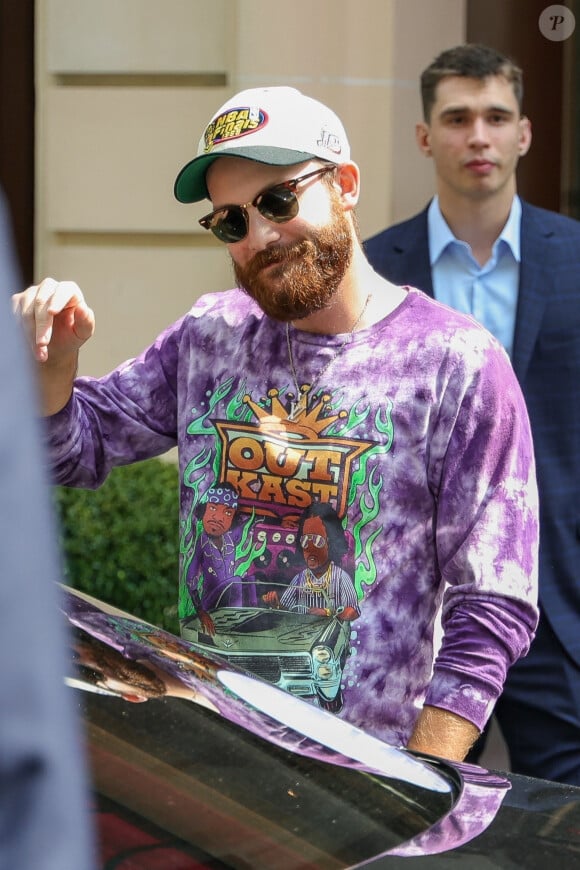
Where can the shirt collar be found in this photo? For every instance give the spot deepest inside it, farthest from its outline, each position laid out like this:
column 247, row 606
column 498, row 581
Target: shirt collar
column 440, row 236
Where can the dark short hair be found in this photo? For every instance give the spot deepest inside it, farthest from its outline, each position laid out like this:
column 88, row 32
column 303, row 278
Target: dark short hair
column 469, row 61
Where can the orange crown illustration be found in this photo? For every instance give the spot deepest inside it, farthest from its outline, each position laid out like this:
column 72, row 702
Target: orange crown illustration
column 308, row 422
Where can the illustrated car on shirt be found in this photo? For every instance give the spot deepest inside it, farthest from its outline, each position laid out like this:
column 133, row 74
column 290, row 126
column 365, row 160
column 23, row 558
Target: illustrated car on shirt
column 301, row 653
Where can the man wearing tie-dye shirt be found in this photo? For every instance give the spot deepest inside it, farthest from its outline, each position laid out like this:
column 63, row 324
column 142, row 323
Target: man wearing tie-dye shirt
column 316, row 381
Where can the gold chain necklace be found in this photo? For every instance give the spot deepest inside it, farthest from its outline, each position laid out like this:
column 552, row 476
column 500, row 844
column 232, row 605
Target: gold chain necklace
column 318, row 584
column 299, row 406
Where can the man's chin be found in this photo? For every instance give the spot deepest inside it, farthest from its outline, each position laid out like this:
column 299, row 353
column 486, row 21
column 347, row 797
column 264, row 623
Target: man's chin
column 281, row 312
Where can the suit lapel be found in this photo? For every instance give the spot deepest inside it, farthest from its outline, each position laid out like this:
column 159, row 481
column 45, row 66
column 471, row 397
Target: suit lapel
column 412, row 256
column 533, row 287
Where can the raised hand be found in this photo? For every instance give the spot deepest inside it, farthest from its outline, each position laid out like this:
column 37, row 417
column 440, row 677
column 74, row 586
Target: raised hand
column 56, row 319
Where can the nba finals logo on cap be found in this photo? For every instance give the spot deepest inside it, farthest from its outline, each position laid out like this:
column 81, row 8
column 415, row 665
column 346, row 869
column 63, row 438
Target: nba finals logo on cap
column 233, row 124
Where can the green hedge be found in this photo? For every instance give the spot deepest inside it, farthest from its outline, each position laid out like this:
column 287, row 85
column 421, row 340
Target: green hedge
column 120, row 542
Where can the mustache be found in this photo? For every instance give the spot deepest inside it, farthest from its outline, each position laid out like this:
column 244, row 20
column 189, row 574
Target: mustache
column 280, row 254
column 303, row 250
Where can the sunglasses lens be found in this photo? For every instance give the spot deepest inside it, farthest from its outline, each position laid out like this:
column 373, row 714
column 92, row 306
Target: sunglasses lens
column 230, row 226
column 317, row 540
column 279, row 204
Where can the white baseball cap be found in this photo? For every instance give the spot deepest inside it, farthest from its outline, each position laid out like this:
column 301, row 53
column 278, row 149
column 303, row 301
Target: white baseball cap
column 278, row 125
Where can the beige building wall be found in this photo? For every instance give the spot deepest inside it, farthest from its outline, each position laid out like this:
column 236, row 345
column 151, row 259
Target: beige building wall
column 124, row 90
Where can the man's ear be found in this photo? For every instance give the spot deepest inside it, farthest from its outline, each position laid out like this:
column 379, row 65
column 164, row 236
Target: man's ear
column 525, row 135
column 347, row 182
column 423, row 138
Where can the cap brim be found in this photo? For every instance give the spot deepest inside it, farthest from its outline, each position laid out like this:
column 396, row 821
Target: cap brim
column 190, row 184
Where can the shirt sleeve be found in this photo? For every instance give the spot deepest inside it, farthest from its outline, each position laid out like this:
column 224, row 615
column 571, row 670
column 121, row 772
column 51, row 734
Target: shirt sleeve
column 123, row 417
column 487, row 542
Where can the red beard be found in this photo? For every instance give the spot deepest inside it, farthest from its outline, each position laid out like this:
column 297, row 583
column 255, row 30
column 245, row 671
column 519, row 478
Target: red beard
column 302, row 277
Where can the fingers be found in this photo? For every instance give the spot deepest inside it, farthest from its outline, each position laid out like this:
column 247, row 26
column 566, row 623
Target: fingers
column 40, row 304
column 84, row 322
column 271, row 598
column 34, row 306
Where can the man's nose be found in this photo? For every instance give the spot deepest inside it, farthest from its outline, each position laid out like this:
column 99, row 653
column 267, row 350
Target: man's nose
column 261, row 231
column 479, row 134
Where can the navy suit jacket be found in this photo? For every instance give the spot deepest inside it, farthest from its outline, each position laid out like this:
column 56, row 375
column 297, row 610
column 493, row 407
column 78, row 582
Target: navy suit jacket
column 546, row 360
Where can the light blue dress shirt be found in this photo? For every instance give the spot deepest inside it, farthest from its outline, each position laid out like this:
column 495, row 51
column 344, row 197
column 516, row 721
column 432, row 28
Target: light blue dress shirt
column 490, row 292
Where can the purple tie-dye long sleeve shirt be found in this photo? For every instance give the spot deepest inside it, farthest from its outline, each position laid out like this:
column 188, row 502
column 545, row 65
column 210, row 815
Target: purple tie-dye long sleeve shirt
column 416, row 439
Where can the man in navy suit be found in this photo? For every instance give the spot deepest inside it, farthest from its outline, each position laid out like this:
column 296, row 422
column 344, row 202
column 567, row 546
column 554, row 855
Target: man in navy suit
column 479, row 248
